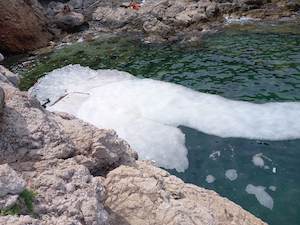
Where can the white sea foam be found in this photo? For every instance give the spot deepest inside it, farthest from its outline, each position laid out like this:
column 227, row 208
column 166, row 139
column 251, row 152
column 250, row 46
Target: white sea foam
column 210, row 179
column 215, row 155
column 261, row 195
column 258, row 160
column 147, row 112
column 231, row 174
column 273, row 188
column 239, row 20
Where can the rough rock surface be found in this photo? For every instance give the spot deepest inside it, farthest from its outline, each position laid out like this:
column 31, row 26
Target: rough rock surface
column 1, row 57
column 73, row 196
column 56, row 154
column 64, row 16
column 22, row 25
column 11, row 186
column 30, row 133
column 60, row 158
column 10, row 182
column 184, row 19
column 145, row 194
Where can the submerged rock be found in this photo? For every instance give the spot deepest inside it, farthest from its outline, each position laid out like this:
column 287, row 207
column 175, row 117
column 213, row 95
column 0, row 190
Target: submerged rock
column 23, row 26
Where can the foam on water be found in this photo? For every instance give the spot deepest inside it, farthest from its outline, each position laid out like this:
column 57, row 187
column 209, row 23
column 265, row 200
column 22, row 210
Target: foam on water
column 147, row 112
column 273, row 188
column 261, row 195
column 258, row 160
column 231, row 174
column 210, row 179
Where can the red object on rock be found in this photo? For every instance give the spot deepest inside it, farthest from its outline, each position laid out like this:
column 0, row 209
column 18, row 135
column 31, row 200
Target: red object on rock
column 135, row 6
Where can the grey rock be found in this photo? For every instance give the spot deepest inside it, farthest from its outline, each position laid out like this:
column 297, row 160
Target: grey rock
column 68, row 20
column 83, row 193
column 54, row 8
column 2, row 100
column 8, row 201
column 76, row 4
column 293, row 5
column 1, row 57
column 10, row 181
column 9, row 77
column 18, row 220
column 29, row 133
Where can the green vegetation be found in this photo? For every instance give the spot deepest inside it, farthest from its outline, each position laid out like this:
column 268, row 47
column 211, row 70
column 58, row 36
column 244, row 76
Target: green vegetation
column 28, row 197
column 14, row 210
column 23, row 206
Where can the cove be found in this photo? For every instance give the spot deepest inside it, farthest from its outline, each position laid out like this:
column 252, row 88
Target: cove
column 259, row 65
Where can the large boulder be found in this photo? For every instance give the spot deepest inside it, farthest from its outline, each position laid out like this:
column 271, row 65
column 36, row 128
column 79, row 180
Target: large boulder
column 145, row 194
column 23, row 26
column 29, row 133
column 60, row 158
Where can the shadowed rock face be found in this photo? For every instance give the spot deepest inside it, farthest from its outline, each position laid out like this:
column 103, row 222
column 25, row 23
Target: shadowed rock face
column 22, row 26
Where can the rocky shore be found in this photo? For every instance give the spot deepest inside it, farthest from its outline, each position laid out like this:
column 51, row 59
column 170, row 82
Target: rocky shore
column 153, row 20
column 56, row 169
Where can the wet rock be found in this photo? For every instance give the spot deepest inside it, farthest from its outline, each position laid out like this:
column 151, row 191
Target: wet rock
column 145, row 194
column 23, row 26
column 10, row 181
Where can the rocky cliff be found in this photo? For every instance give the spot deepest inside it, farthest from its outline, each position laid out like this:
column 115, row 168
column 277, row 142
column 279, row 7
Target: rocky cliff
column 24, row 24
column 56, row 169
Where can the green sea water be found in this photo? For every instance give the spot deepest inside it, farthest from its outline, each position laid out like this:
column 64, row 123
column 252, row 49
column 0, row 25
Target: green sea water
column 257, row 63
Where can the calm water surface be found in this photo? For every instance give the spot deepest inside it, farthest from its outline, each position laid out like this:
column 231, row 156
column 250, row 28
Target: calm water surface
column 251, row 63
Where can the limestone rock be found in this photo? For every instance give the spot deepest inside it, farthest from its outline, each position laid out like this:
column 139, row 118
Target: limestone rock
column 82, row 193
column 60, row 158
column 8, row 201
column 148, row 195
column 30, row 133
column 18, row 220
column 23, row 26
column 9, row 77
column 10, row 181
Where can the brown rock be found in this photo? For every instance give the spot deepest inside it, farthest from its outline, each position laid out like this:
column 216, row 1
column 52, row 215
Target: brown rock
column 22, row 26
